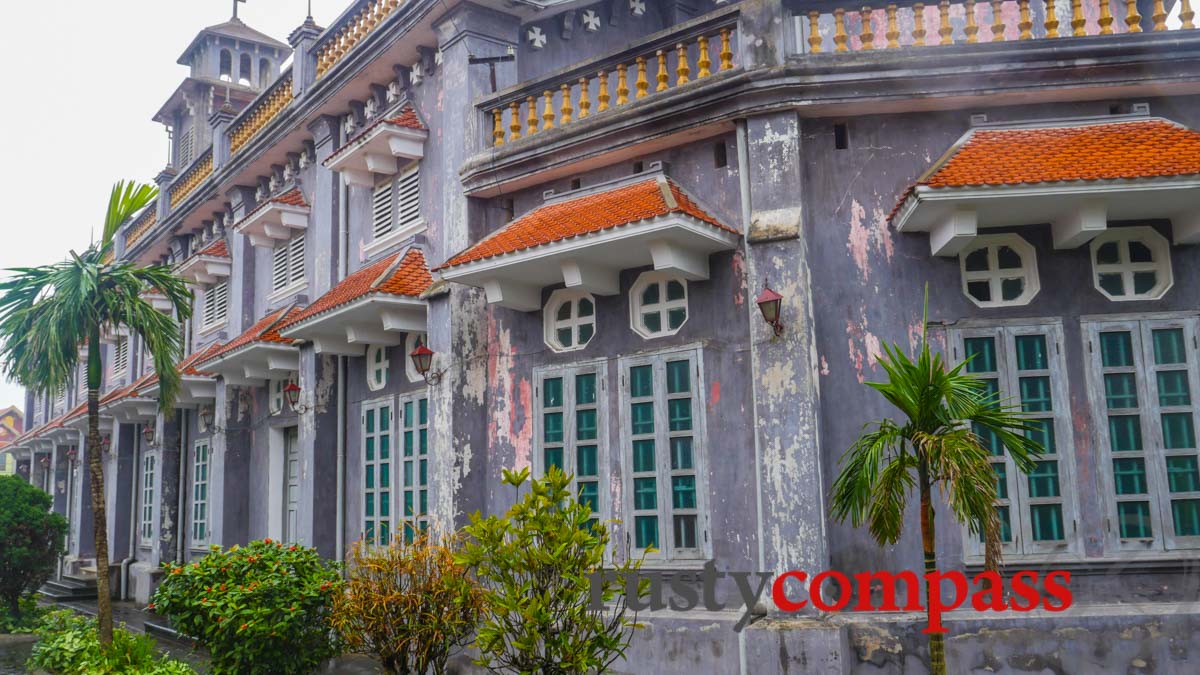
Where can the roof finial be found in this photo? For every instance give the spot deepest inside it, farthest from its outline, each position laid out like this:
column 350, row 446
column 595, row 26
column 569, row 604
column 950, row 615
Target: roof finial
column 235, row 8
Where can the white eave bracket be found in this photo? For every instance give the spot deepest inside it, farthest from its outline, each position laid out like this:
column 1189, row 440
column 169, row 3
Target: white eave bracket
column 384, row 149
column 272, row 223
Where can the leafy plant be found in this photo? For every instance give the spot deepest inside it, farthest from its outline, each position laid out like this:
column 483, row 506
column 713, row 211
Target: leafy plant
column 409, row 604
column 48, row 313
column 68, row 645
column 31, row 539
column 261, row 608
column 935, row 443
column 537, row 563
column 28, row 619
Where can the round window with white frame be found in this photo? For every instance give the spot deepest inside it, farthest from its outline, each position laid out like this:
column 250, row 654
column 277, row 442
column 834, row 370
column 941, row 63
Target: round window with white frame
column 658, row 304
column 1132, row 263
column 411, row 341
column 999, row 270
column 377, row 367
column 569, row 318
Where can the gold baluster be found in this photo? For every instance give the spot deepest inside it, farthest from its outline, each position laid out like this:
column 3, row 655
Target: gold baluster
column 514, row 122
column 971, row 30
column 1159, row 17
column 532, row 120
column 1186, row 15
column 946, row 31
column 584, row 102
column 1133, row 20
column 602, row 95
column 1026, row 23
column 1078, row 21
column 566, row 105
column 814, row 32
column 662, row 71
column 919, row 24
column 548, row 111
column 839, row 34
column 868, row 35
column 622, row 86
column 997, row 21
column 1052, row 19
column 726, row 54
column 498, row 127
column 642, row 84
column 705, row 61
column 682, row 69
column 893, row 30
column 1106, row 18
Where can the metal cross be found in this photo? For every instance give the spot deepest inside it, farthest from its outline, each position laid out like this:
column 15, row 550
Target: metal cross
column 235, row 4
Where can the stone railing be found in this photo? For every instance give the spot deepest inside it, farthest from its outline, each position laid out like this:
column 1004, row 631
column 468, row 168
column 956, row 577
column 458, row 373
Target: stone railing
column 357, row 25
column 187, row 183
column 141, row 226
column 944, row 23
column 260, row 113
column 660, row 63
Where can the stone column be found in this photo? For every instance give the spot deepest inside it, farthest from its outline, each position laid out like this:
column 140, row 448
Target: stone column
column 171, row 456
column 304, row 57
column 121, row 483
column 229, row 469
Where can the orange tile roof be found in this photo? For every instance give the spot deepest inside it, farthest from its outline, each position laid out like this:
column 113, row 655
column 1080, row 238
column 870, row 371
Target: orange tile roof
column 407, row 118
column 409, row 277
column 1140, row 149
column 187, row 367
column 217, row 249
column 587, row 214
column 265, row 329
column 293, row 197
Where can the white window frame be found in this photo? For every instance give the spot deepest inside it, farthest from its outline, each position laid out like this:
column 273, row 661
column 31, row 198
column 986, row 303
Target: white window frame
column 409, row 422
column 201, row 461
column 994, row 276
column 1154, row 453
column 403, row 217
column 216, row 305
column 662, row 307
column 378, row 365
column 1159, row 247
column 667, row 555
column 551, row 324
column 411, row 340
column 570, row 444
column 1019, row 502
column 146, row 519
column 376, row 466
column 288, row 272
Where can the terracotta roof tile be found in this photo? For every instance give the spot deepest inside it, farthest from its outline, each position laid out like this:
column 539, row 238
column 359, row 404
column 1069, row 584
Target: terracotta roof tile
column 187, row 367
column 410, row 277
column 217, row 249
column 407, row 118
column 265, row 329
column 293, row 197
column 587, row 214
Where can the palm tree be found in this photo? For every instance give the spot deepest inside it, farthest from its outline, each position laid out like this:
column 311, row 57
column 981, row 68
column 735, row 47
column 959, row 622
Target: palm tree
column 942, row 414
column 47, row 313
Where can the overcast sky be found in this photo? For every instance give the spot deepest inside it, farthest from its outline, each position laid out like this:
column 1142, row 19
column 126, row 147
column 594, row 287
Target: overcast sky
column 82, row 79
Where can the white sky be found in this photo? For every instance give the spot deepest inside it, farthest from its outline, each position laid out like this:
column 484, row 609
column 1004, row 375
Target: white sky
column 82, row 79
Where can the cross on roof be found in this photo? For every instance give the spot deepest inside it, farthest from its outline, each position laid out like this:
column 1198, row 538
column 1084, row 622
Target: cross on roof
column 235, row 4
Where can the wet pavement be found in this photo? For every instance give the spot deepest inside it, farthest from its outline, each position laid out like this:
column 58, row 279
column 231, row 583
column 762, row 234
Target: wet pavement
column 14, row 650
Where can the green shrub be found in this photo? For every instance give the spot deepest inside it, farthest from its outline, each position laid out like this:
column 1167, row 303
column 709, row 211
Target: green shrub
column 26, row 619
column 536, row 563
column 261, row 608
column 30, row 540
column 69, row 645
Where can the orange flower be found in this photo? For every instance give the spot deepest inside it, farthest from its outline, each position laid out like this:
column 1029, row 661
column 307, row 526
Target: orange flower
column 292, row 547
column 267, row 540
column 177, row 570
column 150, row 606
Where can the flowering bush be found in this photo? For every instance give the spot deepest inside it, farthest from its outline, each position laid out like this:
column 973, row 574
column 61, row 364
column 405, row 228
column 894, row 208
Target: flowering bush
column 68, row 644
column 261, row 608
column 409, row 604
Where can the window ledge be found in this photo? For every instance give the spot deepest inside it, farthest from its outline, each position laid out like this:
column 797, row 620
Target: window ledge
column 209, row 330
column 287, row 291
column 392, row 238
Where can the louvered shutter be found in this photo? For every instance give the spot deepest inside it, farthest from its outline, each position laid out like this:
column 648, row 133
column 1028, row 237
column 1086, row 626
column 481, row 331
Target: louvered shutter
column 121, row 356
column 215, row 303
column 296, row 259
column 186, row 143
column 381, row 209
column 408, row 198
column 279, row 268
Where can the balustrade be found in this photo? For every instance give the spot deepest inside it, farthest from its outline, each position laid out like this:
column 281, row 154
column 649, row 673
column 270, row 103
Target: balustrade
column 360, row 24
column 187, row 183
column 254, row 119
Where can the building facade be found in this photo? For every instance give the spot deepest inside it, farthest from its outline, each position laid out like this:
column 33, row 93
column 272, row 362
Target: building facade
column 573, row 206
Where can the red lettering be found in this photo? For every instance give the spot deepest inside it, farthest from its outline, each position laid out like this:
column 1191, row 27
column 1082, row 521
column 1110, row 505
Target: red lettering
column 1023, row 590
column 818, row 600
column 779, row 592
column 934, row 580
column 1059, row 592
column 887, row 582
column 994, row 590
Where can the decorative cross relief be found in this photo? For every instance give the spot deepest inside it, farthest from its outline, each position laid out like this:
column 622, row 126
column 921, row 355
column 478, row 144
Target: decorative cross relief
column 349, row 126
column 417, row 74
column 437, row 58
column 393, row 92
column 591, row 21
column 637, row 7
column 537, row 39
column 371, row 108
